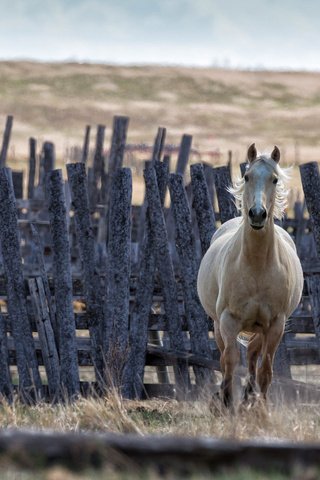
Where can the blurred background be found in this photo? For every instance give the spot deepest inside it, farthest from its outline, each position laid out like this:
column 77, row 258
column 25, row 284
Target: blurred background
column 227, row 72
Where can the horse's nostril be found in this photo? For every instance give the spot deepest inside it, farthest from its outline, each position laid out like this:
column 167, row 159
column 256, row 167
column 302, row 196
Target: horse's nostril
column 251, row 214
column 264, row 215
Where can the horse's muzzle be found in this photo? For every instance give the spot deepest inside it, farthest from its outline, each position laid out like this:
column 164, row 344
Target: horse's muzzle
column 257, row 217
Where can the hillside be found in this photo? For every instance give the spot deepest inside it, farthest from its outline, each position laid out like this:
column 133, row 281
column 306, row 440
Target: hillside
column 222, row 109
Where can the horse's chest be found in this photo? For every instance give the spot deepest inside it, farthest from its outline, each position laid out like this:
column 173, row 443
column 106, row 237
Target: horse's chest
column 256, row 296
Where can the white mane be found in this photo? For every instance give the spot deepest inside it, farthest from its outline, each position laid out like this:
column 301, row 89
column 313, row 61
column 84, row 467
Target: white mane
column 281, row 190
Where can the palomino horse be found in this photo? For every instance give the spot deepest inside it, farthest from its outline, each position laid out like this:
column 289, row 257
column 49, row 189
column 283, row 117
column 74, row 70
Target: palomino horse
column 250, row 279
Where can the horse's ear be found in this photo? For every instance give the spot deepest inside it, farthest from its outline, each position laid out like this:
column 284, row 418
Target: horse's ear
column 252, row 153
column 275, row 155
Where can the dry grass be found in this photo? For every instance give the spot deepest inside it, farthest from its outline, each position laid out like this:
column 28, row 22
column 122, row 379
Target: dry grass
column 223, row 109
column 293, row 422
column 299, row 423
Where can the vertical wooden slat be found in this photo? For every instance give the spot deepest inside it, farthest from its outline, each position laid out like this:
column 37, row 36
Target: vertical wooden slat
column 86, row 144
column 47, row 164
column 38, row 250
column 17, row 180
column 222, row 180
column 115, row 160
column 118, row 277
column 5, row 377
column 29, row 378
column 6, row 140
column 85, row 238
column 196, row 317
column 313, row 284
column 49, row 157
column 97, row 171
column 310, row 179
column 134, row 369
column 46, row 336
column 203, row 206
column 281, row 360
column 32, row 166
column 156, row 156
column 209, row 176
column 158, row 144
column 118, row 143
column 184, row 152
column 166, row 273
column 69, row 374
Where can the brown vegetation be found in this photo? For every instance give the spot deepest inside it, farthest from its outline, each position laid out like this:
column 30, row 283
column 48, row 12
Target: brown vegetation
column 222, row 109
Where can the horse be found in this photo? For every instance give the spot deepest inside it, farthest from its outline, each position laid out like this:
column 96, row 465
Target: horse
column 250, row 279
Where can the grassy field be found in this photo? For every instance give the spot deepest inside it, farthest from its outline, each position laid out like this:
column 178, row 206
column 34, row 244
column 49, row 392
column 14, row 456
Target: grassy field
column 222, row 109
column 302, row 422
column 299, row 423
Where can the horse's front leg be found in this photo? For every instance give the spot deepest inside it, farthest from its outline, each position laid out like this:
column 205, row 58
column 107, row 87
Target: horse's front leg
column 271, row 342
column 253, row 352
column 229, row 330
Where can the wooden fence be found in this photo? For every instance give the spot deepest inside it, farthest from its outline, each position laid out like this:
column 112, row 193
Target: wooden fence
column 96, row 292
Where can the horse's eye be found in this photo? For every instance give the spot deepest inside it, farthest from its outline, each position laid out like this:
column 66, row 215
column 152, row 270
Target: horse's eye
column 275, row 181
column 246, row 178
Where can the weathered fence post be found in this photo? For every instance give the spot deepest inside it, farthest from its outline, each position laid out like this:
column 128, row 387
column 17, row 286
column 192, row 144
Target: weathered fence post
column 98, row 167
column 46, row 335
column 116, row 322
column 32, row 166
column 118, row 143
column 133, row 373
column 159, row 144
column 17, row 180
column 209, row 176
column 47, row 163
column 222, row 180
column 6, row 140
column 168, row 283
column 38, row 250
column 69, row 374
column 94, row 305
column 196, row 317
column 5, row 377
column 203, row 206
column 184, row 152
column 115, row 160
column 86, row 143
column 29, row 378
column 310, row 179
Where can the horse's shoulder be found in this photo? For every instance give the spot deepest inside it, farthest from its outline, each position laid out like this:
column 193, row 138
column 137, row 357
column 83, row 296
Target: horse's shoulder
column 226, row 228
column 285, row 237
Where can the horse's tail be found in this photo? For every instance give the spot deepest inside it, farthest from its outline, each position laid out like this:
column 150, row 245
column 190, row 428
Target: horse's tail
column 244, row 338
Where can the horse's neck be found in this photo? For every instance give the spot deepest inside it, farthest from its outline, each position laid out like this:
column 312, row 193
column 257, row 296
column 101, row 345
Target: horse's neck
column 258, row 245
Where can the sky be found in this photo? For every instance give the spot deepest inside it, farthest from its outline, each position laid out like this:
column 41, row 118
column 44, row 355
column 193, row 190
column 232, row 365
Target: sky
column 270, row 34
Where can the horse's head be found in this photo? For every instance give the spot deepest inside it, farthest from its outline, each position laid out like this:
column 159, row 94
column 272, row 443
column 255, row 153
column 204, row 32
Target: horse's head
column 260, row 186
